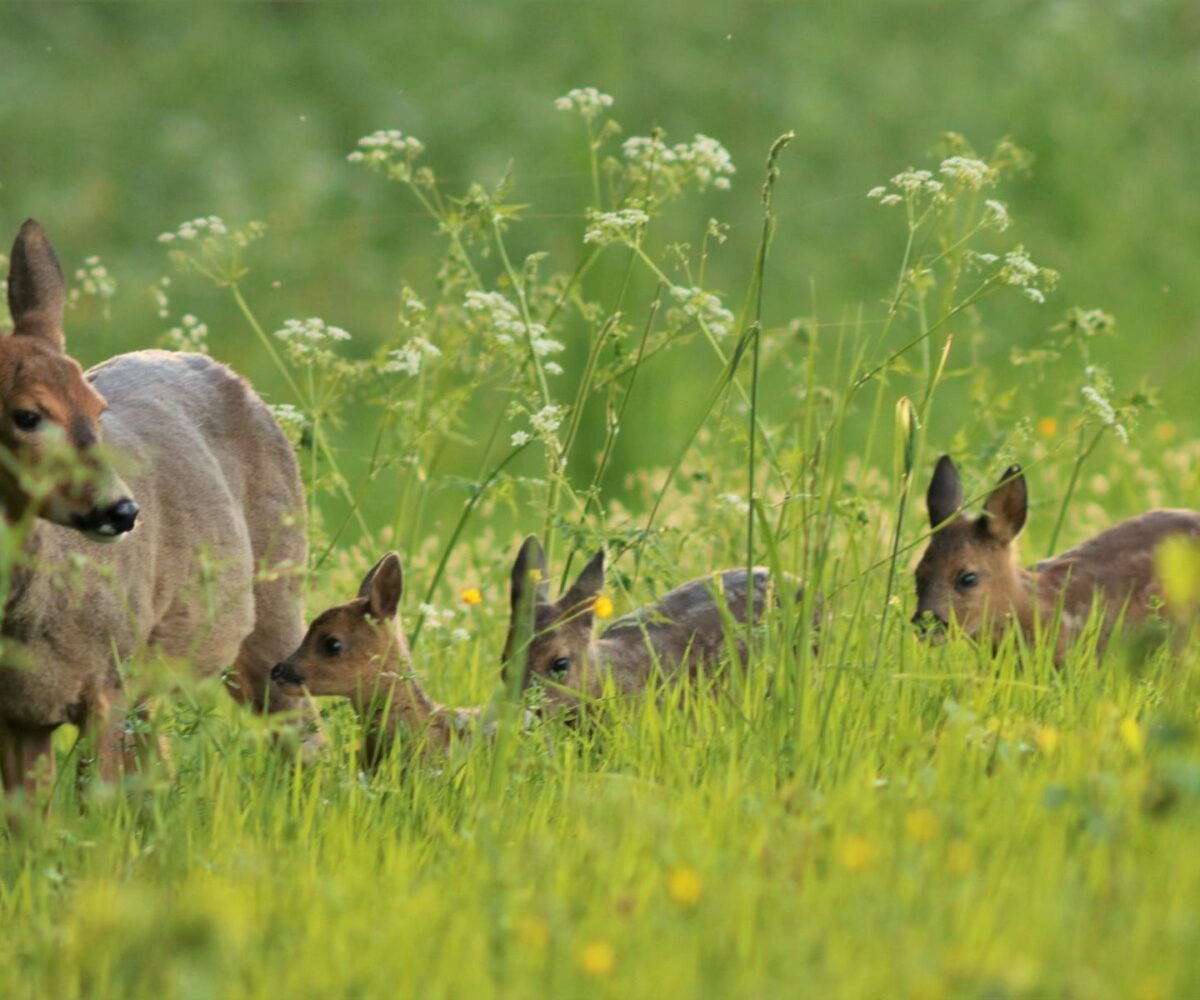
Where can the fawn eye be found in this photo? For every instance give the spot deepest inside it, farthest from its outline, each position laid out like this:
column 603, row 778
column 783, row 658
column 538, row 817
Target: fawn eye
column 559, row 668
column 26, row 420
column 966, row 581
column 332, row 646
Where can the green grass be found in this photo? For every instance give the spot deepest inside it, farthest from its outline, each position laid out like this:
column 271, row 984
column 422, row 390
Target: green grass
column 872, row 816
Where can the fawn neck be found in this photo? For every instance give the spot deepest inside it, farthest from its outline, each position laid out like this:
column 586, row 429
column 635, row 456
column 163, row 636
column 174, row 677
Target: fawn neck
column 392, row 697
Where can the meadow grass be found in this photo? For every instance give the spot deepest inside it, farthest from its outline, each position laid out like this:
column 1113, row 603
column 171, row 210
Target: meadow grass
column 851, row 813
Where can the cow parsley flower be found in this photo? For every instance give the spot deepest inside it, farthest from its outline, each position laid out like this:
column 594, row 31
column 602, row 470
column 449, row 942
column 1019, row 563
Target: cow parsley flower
column 607, row 227
column 520, row 439
column 304, row 339
column 970, row 173
column 206, row 225
column 407, row 359
column 547, row 420
column 389, row 152
column 189, row 335
column 588, row 101
column 995, row 215
column 704, row 307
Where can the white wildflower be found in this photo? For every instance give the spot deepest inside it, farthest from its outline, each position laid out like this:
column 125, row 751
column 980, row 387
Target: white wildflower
column 287, row 416
column 547, row 420
column 970, row 173
column 588, row 101
column 520, row 439
column 407, row 359
column 190, row 335
column 995, row 215
column 94, row 280
column 389, row 152
column 460, row 635
column 312, row 331
column 891, row 199
column 912, row 181
column 552, row 368
column 1035, row 295
column 877, row 192
column 206, row 225
column 704, row 307
column 607, row 227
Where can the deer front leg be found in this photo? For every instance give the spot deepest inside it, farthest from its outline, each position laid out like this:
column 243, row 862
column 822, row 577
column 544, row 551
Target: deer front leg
column 26, row 757
column 106, row 731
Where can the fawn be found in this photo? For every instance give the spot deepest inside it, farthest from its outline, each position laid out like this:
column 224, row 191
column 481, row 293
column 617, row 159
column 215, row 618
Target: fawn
column 208, row 528
column 358, row 651
column 969, row 572
column 684, row 629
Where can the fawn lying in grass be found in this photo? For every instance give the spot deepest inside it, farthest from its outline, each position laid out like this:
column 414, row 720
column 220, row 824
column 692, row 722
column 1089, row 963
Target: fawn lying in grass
column 358, row 651
column 211, row 524
column 685, row 629
column 969, row 573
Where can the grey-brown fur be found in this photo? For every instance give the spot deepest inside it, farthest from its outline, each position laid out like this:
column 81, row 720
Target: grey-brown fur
column 220, row 499
column 685, row 630
column 1115, row 568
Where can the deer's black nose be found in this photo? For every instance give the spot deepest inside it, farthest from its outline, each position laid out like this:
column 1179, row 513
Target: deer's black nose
column 122, row 515
column 285, row 673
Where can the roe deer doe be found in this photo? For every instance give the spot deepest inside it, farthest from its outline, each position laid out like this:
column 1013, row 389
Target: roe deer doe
column 684, row 629
column 213, row 500
column 358, row 651
column 969, row 573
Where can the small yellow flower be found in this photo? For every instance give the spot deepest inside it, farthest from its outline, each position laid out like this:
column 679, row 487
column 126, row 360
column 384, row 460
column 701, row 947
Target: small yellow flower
column 535, row 574
column 959, row 857
column 597, row 958
column 1164, row 430
column 1132, row 735
column 471, row 595
column 1046, row 739
column 855, row 853
column 603, row 607
column 683, row 885
column 922, row 825
column 1047, row 427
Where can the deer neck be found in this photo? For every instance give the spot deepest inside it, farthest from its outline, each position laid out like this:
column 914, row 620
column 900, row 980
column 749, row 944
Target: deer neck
column 629, row 663
column 392, row 699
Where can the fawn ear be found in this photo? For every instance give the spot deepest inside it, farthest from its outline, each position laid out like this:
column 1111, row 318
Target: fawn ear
column 530, row 567
column 945, row 494
column 383, row 587
column 1007, row 505
column 587, row 585
column 36, row 289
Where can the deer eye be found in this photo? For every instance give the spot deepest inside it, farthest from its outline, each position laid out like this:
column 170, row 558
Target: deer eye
column 966, row 580
column 332, row 646
column 559, row 668
column 26, row 420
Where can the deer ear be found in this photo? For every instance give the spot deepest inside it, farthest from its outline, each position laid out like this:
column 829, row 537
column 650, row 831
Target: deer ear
column 945, row 495
column 383, row 587
column 529, row 568
column 587, row 585
column 36, row 289
column 1007, row 506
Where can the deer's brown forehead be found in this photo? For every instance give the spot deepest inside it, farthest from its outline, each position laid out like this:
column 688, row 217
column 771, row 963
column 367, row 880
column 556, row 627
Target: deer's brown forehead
column 53, row 384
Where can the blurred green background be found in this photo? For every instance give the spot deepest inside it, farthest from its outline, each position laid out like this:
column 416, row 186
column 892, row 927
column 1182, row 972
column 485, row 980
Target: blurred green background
column 122, row 119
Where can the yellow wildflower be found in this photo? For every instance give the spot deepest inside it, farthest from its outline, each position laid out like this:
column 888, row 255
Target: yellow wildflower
column 597, row 958
column 1047, row 427
column 1164, row 430
column 603, row 607
column 1132, row 735
column 472, row 595
column 921, row 825
column 683, row 885
column 856, row 853
column 1046, row 739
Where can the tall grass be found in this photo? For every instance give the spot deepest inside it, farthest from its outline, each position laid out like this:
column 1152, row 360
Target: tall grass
column 852, row 813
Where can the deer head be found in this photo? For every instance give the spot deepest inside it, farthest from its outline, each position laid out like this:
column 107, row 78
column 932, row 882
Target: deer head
column 50, row 426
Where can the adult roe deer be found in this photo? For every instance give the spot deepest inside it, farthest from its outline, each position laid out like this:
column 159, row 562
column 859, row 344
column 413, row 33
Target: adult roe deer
column 969, row 572
column 683, row 630
column 207, row 530
column 358, row 651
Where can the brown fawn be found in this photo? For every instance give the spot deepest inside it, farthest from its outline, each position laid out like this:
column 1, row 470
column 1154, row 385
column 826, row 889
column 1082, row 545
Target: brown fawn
column 358, row 651
column 684, row 630
column 969, row 574
column 208, row 526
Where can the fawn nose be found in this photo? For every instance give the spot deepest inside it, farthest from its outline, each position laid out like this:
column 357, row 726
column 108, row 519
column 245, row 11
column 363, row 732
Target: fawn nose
column 121, row 516
column 283, row 673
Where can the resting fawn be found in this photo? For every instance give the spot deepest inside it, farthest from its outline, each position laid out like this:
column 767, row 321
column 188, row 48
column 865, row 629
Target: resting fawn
column 683, row 630
column 358, row 651
column 208, row 526
column 969, row 573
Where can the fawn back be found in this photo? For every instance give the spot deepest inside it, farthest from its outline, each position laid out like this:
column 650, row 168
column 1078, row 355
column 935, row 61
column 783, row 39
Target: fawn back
column 685, row 629
column 970, row 573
